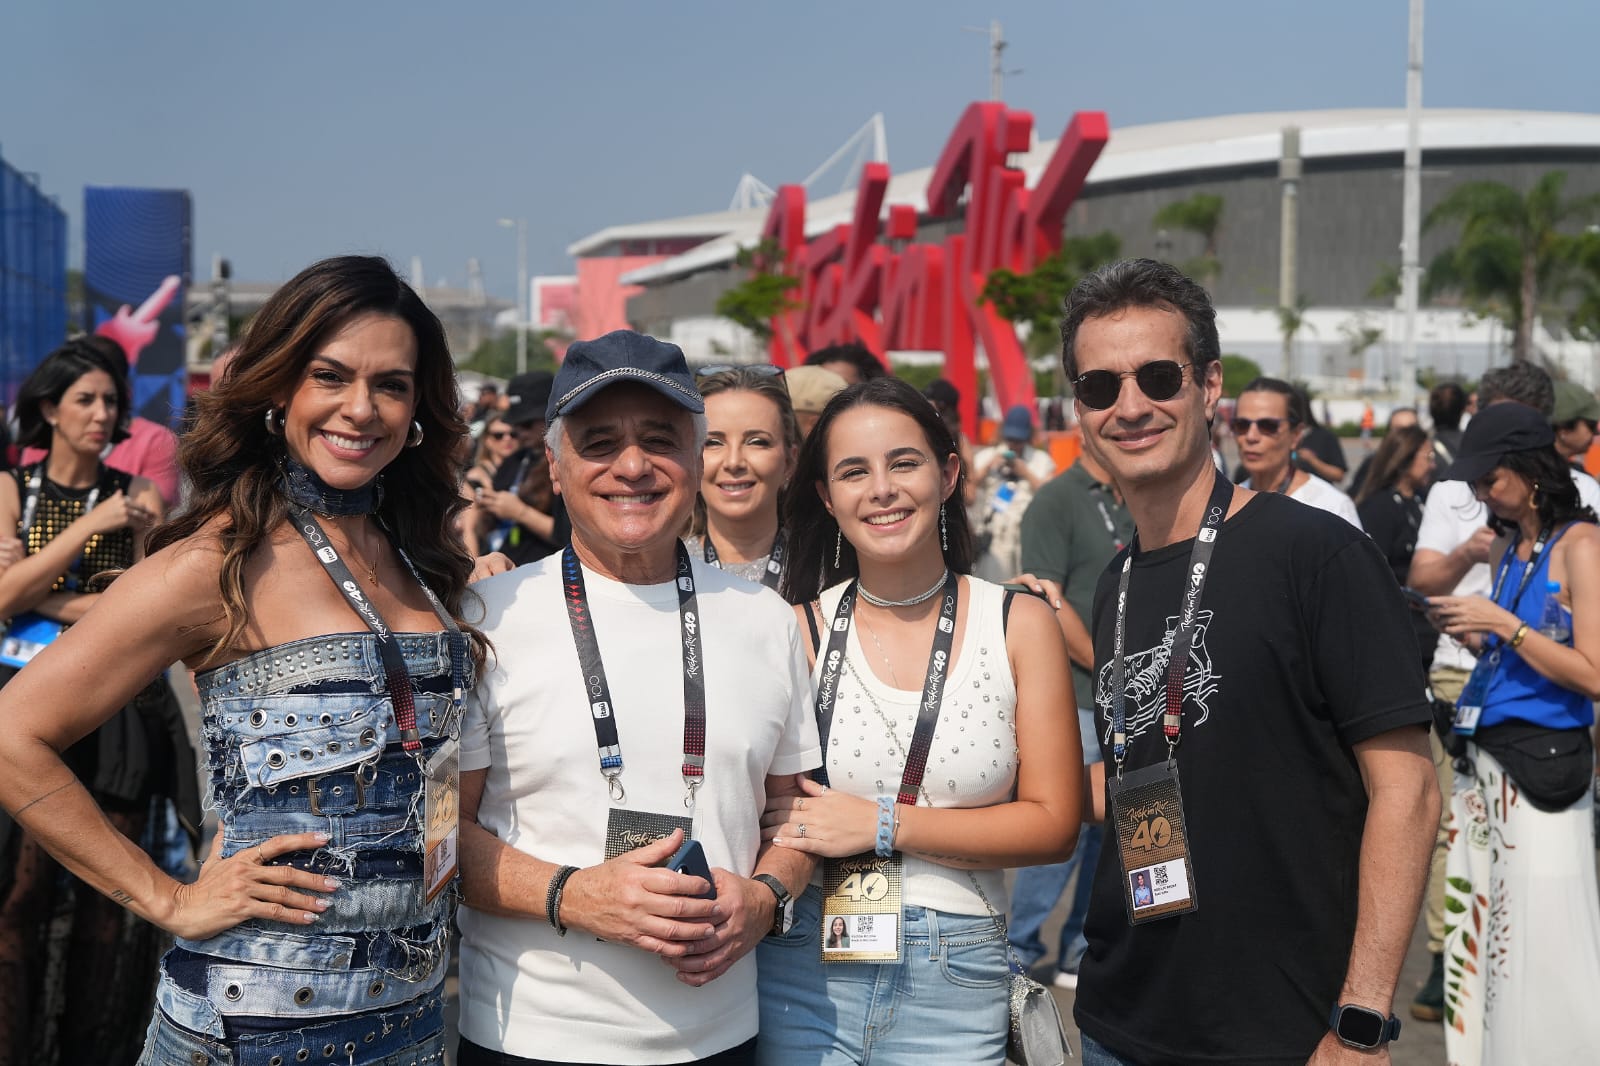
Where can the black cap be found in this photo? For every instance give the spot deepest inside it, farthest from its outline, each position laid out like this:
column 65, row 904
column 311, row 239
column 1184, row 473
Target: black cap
column 527, row 395
column 1495, row 432
column 622, row 356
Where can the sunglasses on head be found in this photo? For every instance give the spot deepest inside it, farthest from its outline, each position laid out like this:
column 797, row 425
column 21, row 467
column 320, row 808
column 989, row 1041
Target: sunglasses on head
column 760, row 370
column 1159, row 380
column 1269, row 427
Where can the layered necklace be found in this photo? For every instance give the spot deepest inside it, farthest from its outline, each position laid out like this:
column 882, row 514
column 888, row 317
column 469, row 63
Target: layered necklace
column 879, row 601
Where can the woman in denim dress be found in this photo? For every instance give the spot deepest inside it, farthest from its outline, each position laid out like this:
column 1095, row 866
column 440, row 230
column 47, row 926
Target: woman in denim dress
column 313, row 586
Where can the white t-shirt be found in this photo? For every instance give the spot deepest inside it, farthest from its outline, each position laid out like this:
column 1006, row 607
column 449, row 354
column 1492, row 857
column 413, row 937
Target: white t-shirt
column 973, row 759
column 526, row 991
column 1324, row 497
column 1450, row 517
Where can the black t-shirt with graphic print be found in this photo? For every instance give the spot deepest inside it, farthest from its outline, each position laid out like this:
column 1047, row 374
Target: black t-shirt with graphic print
column 1304, row 649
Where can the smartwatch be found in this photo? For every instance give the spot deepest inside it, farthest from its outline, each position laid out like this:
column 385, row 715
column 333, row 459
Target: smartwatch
column 783, row 915
column 1362, row 1027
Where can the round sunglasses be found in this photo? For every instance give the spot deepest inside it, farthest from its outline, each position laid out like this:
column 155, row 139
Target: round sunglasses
column 1159, row 379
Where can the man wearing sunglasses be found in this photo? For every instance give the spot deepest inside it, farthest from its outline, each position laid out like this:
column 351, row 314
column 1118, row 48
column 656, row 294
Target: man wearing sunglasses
column 1269, row 424
column 1266, row 750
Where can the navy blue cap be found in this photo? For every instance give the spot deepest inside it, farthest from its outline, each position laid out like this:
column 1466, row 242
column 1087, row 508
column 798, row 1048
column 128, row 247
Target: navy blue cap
column 619, row 357
column 1018, row 424
column 1495, row 432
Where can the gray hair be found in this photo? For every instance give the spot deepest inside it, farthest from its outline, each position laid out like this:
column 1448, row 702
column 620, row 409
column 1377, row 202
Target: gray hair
column 555, row 433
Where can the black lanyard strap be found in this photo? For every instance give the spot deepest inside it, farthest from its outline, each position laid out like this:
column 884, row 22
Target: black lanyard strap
column 1205, row 543
column 774, row 572
column 396, row 678
column 601, row 707
column 30, row 510
column 944, row 636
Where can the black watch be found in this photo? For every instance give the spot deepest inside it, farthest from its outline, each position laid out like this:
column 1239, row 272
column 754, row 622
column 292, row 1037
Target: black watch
column 783, row 914
column 1362, row 1027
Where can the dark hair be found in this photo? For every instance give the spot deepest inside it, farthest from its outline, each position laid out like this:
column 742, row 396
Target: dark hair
column 1522, row 382
column 1141, row 283
column 1555, row 494
column 1447, row 402
column 51, row 379
column 858, row 355
column 1400, row 446
column 812, row 531
column 768, row 386
column 1297, row 399
column 232, row 461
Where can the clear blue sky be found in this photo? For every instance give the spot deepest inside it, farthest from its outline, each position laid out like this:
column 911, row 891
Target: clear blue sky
column 305, row 129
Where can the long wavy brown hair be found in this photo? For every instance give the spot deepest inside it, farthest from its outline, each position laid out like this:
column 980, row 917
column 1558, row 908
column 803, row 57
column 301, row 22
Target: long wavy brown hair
column 231, row 461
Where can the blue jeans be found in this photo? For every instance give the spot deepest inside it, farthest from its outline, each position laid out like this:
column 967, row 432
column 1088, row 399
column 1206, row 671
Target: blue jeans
column 1099, row 1055
column 1035, row 890
column 945, row 1002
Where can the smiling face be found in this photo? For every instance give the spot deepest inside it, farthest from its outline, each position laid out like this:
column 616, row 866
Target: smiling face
column 884, row 484
column 500, row 439
column 746, row 461
column 1266, row 455
column 627, row 468
column 86, row 415
column 351, row 410
column 1140, row 441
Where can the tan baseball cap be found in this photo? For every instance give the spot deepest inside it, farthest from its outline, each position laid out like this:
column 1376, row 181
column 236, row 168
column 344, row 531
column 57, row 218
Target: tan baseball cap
column 811, row 387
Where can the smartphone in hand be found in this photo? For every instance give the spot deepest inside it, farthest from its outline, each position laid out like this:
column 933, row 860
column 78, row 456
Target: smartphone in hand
column 1415, row 599
column 690, row 859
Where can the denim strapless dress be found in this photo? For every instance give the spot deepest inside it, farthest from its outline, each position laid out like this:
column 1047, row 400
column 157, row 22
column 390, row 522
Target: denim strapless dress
column 301, row 738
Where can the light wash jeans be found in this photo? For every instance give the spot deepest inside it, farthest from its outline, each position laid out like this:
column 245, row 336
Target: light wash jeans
column 945, row 1002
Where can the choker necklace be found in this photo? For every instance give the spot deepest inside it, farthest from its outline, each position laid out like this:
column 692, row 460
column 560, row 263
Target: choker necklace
column 879, row 601
column 302, row 485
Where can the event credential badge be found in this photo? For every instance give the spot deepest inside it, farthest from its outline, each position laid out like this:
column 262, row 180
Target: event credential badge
column 862, row 898
column 1147, row 811
column 626, row 830
column 442, row 811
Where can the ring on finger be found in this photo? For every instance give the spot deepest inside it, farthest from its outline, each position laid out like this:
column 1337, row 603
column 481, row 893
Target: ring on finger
column 799, row 804
column 800, row 830
column 261, row 856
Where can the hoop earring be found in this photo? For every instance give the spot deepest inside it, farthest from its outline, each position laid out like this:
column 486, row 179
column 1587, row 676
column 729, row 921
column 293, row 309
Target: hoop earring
column 944, row 530
column 275, row 420
column 838, row 543
column 414, row 438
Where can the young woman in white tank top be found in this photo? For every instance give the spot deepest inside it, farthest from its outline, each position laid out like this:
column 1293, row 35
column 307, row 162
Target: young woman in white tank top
column 876, row 515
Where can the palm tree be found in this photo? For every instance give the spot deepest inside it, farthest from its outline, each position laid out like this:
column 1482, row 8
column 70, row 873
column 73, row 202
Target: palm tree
column 1200, row 214
column 1510, row 251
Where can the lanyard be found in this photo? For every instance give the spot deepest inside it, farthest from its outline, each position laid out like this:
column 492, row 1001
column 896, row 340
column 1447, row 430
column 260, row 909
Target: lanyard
column 1182, row 638
column 30, row 509
column 396, row 677
column 774, row 570
column 599, row 690
column 1288, row 479
column 944, row 636
column 1503, row 571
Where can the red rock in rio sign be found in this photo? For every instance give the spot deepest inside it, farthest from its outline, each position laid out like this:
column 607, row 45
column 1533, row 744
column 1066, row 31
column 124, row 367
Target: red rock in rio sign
column 928, row 297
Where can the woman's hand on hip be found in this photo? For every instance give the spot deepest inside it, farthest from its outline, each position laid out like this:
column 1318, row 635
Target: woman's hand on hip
column 243, row 886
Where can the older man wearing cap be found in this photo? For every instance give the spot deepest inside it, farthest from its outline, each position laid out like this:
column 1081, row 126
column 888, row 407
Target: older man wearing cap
column 583, row 774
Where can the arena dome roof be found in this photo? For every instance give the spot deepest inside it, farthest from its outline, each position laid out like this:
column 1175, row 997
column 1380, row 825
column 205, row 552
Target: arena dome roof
column 1150, row 151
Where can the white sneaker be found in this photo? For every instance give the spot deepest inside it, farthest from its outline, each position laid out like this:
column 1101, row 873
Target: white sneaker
column 1065, row 979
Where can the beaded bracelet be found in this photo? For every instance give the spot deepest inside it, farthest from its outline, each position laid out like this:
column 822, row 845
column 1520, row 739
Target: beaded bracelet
column 884, row 845
column 552, row 898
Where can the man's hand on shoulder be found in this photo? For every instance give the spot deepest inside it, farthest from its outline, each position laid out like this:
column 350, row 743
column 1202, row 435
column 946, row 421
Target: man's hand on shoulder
column 748, row 907
column 634, row 900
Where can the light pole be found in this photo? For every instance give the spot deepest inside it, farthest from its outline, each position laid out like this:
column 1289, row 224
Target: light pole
column 521, row 226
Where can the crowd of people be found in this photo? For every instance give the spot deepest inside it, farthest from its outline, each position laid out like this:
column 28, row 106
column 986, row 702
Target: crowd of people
column 1200, row 703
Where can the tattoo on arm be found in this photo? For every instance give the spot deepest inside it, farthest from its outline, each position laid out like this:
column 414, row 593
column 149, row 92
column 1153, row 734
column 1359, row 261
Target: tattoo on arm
column 122, row 897
column 47, row 795
column 953, row 860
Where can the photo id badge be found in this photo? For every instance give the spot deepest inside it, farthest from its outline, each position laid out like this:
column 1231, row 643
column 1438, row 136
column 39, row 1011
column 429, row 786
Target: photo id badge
column 627, row 830
column 443, row 813
column 862, row 899
column 1469, row 708
column 1147, row 812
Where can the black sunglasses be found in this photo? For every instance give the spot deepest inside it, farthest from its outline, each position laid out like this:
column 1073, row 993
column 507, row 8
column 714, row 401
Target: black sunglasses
column 499, row 434
column 1269, row 427
column 1159, row 380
